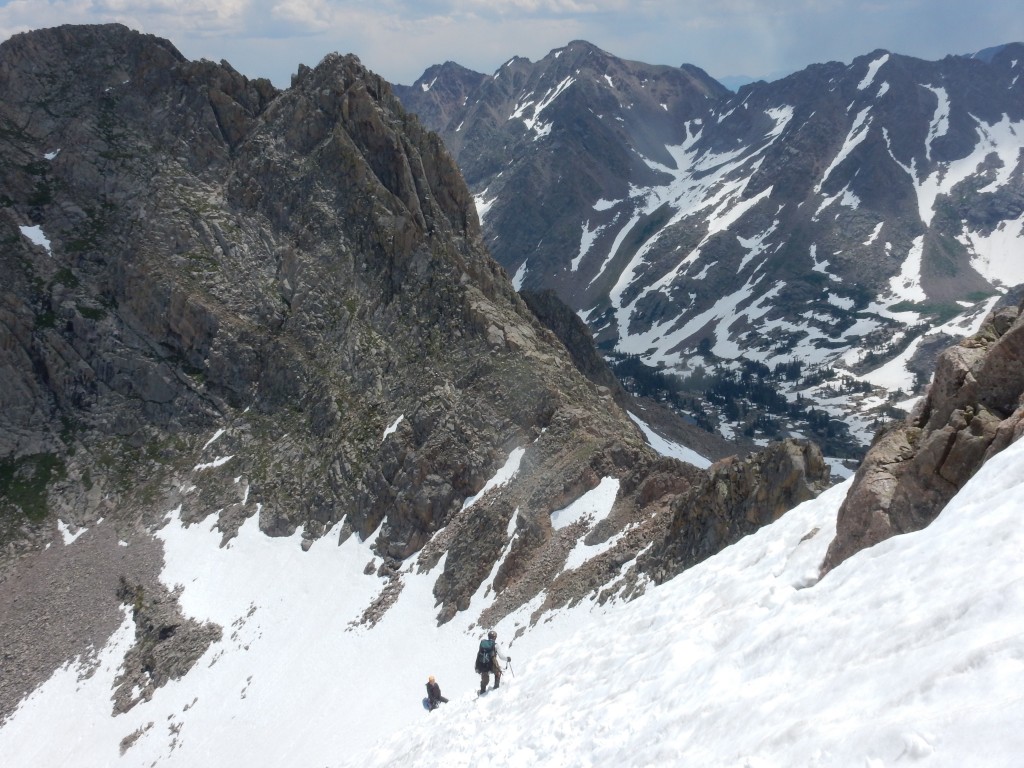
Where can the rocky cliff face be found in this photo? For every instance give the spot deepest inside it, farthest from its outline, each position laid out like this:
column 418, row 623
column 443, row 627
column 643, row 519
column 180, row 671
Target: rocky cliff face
column 732, row 499
column 216, row 247
column 974, row 408
column 234, row 301
column 578, row 341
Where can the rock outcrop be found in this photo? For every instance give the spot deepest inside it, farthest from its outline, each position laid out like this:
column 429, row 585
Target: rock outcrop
column 577, row 338
column 167, row 644
column 667, row 517
column 972, row 410
column 733, row 499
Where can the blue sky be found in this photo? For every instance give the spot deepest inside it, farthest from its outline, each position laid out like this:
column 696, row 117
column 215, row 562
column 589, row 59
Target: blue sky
column 400, row 38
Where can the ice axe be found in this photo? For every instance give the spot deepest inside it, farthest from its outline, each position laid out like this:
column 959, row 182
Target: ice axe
column 508, row 666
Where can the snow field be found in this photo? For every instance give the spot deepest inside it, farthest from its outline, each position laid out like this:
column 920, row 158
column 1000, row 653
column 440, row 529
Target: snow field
column 910, row 652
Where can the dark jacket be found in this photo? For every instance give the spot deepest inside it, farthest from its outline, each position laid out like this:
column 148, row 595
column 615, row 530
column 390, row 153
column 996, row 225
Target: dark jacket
column 434, row 695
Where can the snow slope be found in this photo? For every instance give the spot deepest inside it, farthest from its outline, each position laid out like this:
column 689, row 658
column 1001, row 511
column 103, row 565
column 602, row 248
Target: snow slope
column 911, row 652
column 668, row 447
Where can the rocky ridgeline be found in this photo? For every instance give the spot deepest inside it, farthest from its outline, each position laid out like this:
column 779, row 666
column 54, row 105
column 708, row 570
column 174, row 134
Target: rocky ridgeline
column 235, row 300
column 974, row 408
column 546, row 168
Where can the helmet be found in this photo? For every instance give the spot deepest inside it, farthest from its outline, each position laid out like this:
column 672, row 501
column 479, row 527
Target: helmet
column 492, row 635
column 431, row 679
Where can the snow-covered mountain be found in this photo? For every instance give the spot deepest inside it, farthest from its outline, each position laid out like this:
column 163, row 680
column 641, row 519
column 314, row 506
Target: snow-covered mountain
column 815, row 239
column 912, row 651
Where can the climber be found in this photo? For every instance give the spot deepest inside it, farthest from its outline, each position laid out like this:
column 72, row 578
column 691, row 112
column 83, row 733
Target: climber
column 487, row 660
column 434, row 697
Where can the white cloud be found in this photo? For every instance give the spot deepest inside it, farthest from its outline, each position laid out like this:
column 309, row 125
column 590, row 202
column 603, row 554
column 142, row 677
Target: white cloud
column 547, row 6
column 223, row 9
column 313, row 14
column 163, row 17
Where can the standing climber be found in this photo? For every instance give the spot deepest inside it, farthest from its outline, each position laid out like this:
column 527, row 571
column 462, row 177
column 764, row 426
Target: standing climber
column 434, row 697
column 487, row 660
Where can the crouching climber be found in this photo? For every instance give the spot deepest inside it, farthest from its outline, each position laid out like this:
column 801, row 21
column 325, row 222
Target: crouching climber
column 487, row 657
column 434, row 697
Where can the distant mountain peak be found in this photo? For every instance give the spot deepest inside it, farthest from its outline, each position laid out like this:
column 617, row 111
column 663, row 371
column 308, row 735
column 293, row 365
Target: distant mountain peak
column 829, row 217
column 988, row 54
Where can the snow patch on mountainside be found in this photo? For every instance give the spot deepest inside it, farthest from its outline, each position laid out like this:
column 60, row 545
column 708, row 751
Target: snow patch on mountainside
column 530, row 111
column 874, row 233
column 940, row 119
column 906, row 286
column 595, row 504
column 665, row 336
column 35, row 235
column 857, row 133
column 483, row 205
column 755, row 246
column 587, row 238
column 65, row 532
column 873, row 68
column 894, row 374
column 616, row 244
column 500, row 478
column 519, row 278
column 669, row 448
column 1003, row 140
column 698, row 182
column 998, row 256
